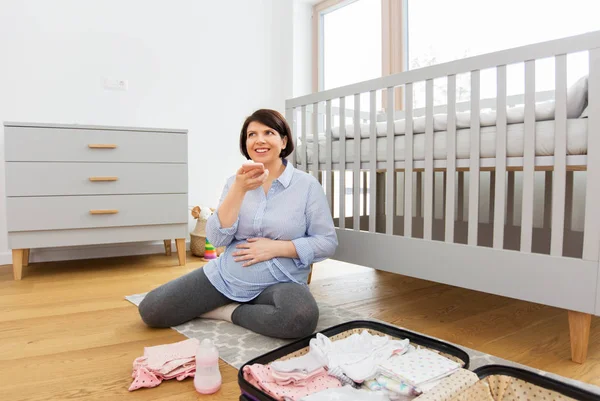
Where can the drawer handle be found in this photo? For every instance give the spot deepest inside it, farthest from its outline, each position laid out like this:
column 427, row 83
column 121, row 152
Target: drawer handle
column 102, row 146
column 104, row 211
column 103, row 179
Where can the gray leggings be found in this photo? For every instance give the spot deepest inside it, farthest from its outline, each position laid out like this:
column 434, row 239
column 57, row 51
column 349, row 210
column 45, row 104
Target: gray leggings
column 285, row 310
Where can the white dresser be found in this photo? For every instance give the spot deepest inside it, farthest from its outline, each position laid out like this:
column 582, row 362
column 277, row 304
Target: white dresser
column 70, row 185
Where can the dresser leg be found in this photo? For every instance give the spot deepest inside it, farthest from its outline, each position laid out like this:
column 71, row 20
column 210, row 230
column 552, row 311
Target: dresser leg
column 168, row 247
column 17, row 257
column 180, row 244
column 25, row 257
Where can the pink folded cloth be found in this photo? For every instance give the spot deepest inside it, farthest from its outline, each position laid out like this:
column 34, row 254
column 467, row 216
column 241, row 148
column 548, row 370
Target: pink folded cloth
column 295, row 378
column 261, row 377
column 164, row 362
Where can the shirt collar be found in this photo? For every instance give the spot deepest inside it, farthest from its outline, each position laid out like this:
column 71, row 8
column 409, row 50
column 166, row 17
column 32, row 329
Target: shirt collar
column 286, row 177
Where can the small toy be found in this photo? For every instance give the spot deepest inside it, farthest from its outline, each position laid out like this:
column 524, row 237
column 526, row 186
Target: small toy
column 209, row 251
column 199, row 244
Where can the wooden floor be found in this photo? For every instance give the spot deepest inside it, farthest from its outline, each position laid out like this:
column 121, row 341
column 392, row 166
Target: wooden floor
column 67, row 333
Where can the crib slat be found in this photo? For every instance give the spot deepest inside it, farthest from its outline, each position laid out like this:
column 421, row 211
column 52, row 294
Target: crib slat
column 591, row 234
column 429, row 176
column 356, row 164
column 500, row 184
column 474, row 165
column 560, row 157
column 328, row 150
column 408, row 155
column 450, row 174
column 304, row 148
column 373, row 164
column 342, row 200
column 528, row 158
column 389, row 186
column 315, row 132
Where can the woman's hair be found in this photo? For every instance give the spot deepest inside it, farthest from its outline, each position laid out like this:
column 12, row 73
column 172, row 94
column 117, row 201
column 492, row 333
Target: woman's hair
column 274, row 120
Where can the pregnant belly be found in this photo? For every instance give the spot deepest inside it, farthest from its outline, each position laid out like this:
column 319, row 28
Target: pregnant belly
column 258, row 273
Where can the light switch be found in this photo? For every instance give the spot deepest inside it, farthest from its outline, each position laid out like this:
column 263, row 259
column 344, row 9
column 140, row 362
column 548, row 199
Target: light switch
column 116, row 84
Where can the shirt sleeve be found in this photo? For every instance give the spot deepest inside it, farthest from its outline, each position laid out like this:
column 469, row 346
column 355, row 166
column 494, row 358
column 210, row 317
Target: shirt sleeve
column 320, row 241
column 216, row 234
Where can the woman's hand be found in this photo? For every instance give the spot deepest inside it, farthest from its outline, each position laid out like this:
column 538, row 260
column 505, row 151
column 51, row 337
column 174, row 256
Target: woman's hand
column 255, row 250
column 263, row 249
column 248, row 179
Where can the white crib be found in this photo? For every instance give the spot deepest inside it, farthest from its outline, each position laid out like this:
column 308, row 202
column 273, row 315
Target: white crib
column 450, row 162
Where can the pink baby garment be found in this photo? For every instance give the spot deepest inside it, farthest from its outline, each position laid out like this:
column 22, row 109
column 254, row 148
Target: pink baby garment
column 164, row 362
column 295, row 378
column 261, row 377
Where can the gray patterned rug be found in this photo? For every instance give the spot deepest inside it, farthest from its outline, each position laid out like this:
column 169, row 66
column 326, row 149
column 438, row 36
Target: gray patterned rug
column 238, row 345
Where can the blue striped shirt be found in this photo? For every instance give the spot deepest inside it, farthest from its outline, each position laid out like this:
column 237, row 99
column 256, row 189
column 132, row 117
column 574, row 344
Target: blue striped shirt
column 295, row 209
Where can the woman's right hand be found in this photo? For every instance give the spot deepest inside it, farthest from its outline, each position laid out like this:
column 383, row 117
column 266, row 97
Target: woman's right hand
column 248, row 179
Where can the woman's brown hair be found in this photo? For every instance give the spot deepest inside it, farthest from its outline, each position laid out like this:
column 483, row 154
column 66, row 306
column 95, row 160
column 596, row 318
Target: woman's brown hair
column 274, row 120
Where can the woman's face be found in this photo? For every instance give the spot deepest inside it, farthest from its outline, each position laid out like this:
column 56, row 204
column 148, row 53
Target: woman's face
column 264, row 144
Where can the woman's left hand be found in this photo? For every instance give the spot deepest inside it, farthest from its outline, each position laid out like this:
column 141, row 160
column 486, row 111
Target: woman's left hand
column 255, row 250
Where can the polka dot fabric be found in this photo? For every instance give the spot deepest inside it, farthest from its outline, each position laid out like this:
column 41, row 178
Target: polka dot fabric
column 451, row 386
column 144, row 378
column 480, row 391
column 506, row 388
column 418, row 367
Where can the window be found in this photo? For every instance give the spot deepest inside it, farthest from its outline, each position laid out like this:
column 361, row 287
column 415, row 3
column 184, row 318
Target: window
column 464, row 28
column 351, row 44
column 361, row 39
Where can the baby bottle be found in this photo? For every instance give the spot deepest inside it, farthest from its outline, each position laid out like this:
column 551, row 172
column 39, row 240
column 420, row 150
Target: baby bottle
column 207, row 378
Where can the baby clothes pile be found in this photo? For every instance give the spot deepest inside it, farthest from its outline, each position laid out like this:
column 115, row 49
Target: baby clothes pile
column 360, row 367
column 164, row 362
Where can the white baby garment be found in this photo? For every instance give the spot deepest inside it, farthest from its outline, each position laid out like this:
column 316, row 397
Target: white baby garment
column 358, row 355
column 305, row 364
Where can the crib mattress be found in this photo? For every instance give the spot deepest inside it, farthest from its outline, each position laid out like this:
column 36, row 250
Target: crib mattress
column 544, row 143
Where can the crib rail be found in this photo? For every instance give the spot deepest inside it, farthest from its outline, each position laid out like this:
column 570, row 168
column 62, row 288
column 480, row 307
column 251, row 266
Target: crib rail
column 322, row 117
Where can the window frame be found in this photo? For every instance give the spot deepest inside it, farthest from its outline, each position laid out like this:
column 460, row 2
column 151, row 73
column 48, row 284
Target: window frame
column 394, row 40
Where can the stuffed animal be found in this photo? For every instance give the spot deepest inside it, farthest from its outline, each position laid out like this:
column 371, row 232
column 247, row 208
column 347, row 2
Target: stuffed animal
column 201, row 214
column 203, row 247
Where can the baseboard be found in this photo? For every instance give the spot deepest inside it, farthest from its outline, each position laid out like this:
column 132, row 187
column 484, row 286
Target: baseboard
column 92, row 252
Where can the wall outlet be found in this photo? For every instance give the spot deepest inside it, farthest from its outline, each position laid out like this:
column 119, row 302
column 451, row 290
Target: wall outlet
column 116, row 84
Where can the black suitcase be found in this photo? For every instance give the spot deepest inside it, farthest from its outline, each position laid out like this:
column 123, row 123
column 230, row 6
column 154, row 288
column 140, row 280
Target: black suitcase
column 250, row 393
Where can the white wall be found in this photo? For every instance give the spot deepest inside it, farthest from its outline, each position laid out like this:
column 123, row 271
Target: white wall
column 201, row 65
column 302, row 48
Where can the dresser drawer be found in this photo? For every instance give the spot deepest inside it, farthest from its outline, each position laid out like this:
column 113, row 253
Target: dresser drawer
column 93, row 145
column 68, row 212
column 50, row 179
